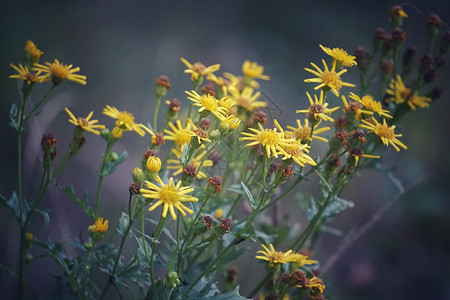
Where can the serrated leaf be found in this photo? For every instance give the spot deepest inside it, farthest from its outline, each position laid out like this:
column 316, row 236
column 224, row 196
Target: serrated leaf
column 82, row 203
column 124, row 222
column 141, row 256
column 112, row 165
column 165, row 230
column 12, row 116
column 233, row 295
column 311, row 208
column 13, row 204
column 250, row 198
column 337, row 206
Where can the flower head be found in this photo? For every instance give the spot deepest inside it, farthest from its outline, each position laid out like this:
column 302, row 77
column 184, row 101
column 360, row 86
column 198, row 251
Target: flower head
column 318, row 109
column 100, row 225
column 125, row 122
column 371, row 104
column 399, row 93
column 32, row 50
column 327, row 78
column 198, row 133
column 300, row 259
column 24, row 74
column 196, row 162
column 253, row 70
column 207, row 102
column 60, row 72
column 297, row 152
column 272, row 256
column 357, row 153
column 198, row 69
column 247, row 98
column 171, row 195
column 386, row 133
column 179, row 135
column 85, row 123
column 303, row 133
column 355, row 107
column 270, row 139
column 341, row 56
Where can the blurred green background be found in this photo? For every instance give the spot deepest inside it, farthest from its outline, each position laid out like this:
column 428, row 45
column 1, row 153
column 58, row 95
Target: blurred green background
column 123, row 46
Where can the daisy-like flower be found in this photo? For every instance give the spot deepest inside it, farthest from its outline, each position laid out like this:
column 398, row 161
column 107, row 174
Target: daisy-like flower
column 297, row 152
column 157, row 139
column 318, row 109
column 60, row 72
column 300, row 259
column 340, row 56
column 231, row 121
column 85, row 123
column 355, row 107
column 399, row 93
column 226, row 102
column 386, row 133
column 33, row 51
column 371, row 104
column 170, row 195
column 272, row 256
column 125, row 122
column 176, row 163
column 206, row 102
column 357, row 153
column 303, row 133
column 199, row 133
column 328, row 78
column 271, row 140
column 100, row 225
column 253, row 70
column 198, row 69
column 179, row 135
column 315, row 284
column 24, row 74
column 247, row 98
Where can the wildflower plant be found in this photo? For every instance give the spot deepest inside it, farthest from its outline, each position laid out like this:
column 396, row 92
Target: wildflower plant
column 183, row 219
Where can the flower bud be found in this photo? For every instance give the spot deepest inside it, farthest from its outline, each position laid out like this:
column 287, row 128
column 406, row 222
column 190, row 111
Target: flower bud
column 379, row 38
column 172, row 110
column 214, row 135
column 162, row 85
column 138, row 175
column 362, row 57
column 215, row 185
column 434, row 23
column 153, row 166
column 396, row 15
column 398, row 37
column 444, row 44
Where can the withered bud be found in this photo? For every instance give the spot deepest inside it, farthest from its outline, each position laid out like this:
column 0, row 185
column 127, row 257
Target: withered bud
column 209, row 88
column 163, row 81
column 215, row 182
column 48, row 143
column 215, row 156
column 174, row 105
column 379, row 38
column 396, row 11
column 190, row 170
column 134, row 188
column 359, row 134
column 426, row 62
column 286, row 278
column 205, row 123
column 444, row 43
column 288, row 171
column 340, row 123
column 226, row 225
column 430, row 75
column 149, row 153
column 158, row 139
column 356, row 152
column 208, row 221
column 81, row 141
column 273, row 168
column 398, row 36
column 362, row 57
column 260, row 117
column 434, row 23
column 299, row 278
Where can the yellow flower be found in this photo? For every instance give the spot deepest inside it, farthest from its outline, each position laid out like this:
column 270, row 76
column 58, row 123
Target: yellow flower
column 253, row 70
column 318, row 109
column 194, row 161
column 153, row 164
column 297, row 152
column 340, row 56
column 355, row 107
column 300, row 259
column 303, row 133
column 207, row 102
column 238, row 81
column 271, row 140
column 315, row 284
column 246, row 99
column 231, row 122
column 179, row 135
column 357, row 153
column 125, row 122
column 85, row 123
column 25, row 75
column 60, row 72
column 198, row 69
column 34, row 52
column 171, row 195
column 222, row 82
column 100, row 225
column 400, row 94
column 226, row 102
column 371, row 104
column 328, row 78
column 199, row 133
column 386, row 133
column 272, row 256
column 219, row 213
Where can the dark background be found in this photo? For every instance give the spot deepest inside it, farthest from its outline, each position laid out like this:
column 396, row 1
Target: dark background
column 123, row 46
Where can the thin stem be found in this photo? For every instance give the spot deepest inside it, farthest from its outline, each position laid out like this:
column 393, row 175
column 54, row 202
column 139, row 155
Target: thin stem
column 155, row 116
column 144, row 242
column 102, row 174
column 41, row 101
column 152, row 257
column 85, row 273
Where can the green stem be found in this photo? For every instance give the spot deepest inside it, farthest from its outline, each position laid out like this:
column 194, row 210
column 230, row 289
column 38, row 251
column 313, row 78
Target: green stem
column 155, row 116
column 85, row 272
column 41, row 101
column 144, row 242
column 156, row 236
column 102, row 174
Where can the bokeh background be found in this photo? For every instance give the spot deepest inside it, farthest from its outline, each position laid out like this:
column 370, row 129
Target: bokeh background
column 123, row 46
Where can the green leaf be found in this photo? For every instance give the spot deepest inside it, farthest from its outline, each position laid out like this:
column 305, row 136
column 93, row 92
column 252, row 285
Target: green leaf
column 8, row 269
column 311, row 208
column 184, row 155
column 336, row 207
column 124, row 222
column 165, row 230
column 43, row 211
column 398, row 184
column 112, row 165
column 140, row 253
column 13, row 204
column 233, row 295
column 82, row 203
column 13, row 116
column 251, row 200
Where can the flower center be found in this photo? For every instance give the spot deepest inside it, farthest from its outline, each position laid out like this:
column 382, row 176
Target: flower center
column 293, row 150
column 316, row 108
column 198, row 67
column 201, row 133
column 82, row 122
column 269, row 137
column 208, row 102
column 275, row 257
column 125, row 118
column 302, row 133
column 243, row 102
column 332, row 79
column 59, row 70
column 384, row 131
column 183, row 136
column 169, row 194
column 405, row 92
column 371, row 103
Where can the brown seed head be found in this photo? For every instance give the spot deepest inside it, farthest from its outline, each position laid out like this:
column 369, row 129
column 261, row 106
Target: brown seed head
column 216, row 182
column 158, row 139
column 260, row 117
column 163, row 81
column 208, row 221
column 209, row 88
column 134, row 188
column 398, row 36
column 174, row 105
column 434, row 20
column 226, row 225
column 190, row 170
column 149, row 153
